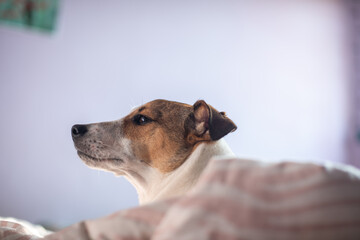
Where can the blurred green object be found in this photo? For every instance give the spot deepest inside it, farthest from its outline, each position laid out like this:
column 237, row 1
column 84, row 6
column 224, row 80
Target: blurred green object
column 40, row 14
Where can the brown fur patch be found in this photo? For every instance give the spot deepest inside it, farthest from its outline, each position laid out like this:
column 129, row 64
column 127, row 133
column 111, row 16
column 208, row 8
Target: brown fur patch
column 161, row 143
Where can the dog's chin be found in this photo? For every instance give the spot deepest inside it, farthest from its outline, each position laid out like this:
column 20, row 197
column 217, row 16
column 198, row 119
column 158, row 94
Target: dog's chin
column 94, row 161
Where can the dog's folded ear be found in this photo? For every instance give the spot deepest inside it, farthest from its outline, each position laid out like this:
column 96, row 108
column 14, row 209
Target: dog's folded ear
column 209, row 123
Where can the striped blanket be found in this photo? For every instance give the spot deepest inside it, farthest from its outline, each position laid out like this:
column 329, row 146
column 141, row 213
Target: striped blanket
column 241, row 199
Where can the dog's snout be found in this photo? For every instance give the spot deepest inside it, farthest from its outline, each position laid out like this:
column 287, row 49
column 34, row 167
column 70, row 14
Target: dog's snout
column 78, row 130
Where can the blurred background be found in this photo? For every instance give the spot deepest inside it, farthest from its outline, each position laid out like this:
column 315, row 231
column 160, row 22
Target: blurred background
column 285, row 72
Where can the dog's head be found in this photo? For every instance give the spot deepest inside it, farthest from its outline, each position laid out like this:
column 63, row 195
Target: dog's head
column 160, row 134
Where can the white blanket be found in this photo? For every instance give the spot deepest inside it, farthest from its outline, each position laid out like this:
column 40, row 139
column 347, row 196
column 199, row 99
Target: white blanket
column 240, row 199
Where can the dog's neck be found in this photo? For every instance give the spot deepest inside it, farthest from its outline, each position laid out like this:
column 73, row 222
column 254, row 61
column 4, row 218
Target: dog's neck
column 153, row 185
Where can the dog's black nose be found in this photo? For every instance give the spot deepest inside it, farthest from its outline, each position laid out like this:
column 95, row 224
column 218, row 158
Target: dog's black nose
column 78, row 130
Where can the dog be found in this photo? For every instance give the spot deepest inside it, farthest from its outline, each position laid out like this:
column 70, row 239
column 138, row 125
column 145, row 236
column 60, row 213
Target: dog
column 161, row 147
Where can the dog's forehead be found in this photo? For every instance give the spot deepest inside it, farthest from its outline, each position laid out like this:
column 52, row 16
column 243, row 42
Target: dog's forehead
column 163, row 106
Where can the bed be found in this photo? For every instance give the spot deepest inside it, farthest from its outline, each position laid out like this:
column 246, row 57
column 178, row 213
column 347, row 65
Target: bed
column 236, row 199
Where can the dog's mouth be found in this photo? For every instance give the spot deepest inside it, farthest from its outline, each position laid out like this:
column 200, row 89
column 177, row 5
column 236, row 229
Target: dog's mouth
column 87, row 157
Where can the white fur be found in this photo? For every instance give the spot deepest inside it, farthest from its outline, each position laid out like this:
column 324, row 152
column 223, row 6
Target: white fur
column 125, row 144
column 152, row 185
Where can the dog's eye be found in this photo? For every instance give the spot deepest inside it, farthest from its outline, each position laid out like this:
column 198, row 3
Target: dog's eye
column 141, row 119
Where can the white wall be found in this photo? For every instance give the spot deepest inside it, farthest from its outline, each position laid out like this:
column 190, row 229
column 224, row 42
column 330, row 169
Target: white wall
column 278, row 68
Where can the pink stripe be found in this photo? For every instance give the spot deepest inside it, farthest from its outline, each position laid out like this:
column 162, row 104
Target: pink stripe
column 128, row 238
column 7, row 233
column 236, row 205
column 27, row 237
column 12, row 225
column 145, row 215
column 245, row 216
column 103, row 236
column 216, row 234
column 200, row 223
column 255, row 188
column 264, row 174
